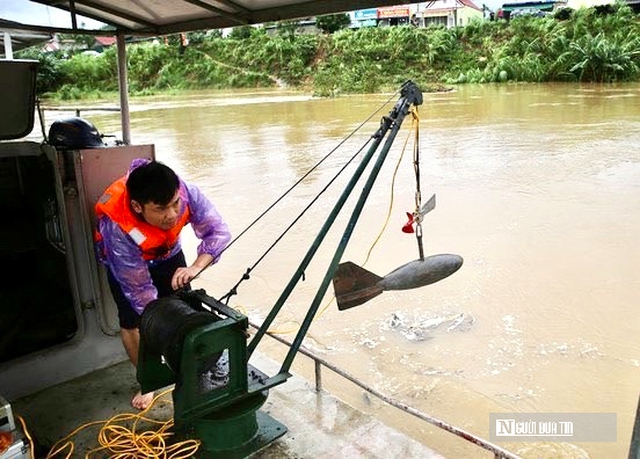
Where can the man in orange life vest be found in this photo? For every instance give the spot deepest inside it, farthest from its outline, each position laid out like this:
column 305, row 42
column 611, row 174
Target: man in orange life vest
column 140, row 217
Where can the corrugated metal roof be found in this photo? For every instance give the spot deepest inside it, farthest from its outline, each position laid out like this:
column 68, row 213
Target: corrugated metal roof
column 160, row 17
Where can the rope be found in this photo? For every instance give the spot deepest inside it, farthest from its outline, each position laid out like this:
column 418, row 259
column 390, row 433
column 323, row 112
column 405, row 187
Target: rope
column 416, row 168
column 246, row 275
column 127, row 443
column 414, row 127
column 289, row 190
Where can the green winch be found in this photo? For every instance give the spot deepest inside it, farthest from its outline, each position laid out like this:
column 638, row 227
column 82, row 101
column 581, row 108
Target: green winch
column 199, row 344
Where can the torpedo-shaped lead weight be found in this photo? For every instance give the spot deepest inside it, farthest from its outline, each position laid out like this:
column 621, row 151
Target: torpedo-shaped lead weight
column 354, row 285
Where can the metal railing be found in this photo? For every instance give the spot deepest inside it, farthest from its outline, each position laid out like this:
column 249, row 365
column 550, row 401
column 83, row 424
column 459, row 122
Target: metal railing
column 319, row 362
column 77, row 110
column 634, row 448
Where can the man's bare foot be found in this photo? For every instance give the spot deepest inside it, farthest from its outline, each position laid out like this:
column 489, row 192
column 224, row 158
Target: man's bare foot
column 142, row 401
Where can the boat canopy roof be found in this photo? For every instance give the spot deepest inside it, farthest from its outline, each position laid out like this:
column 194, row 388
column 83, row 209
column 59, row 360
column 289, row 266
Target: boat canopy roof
column 161, row 17
column 21, row 38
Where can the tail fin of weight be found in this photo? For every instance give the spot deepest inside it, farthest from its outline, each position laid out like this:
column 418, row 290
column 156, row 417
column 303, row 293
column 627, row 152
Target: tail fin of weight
column 354, row 285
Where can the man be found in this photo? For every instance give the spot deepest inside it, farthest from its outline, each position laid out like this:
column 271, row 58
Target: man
column 140, row 217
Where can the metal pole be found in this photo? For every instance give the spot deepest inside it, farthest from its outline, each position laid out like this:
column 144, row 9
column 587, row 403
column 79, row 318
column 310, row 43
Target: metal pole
column 398, row 114
column 8, row 46
column 318, row 240
column 124, row 89
column 318, row 368
column 74, row 19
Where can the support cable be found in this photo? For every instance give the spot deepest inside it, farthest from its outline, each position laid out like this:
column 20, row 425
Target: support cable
column 247, row 274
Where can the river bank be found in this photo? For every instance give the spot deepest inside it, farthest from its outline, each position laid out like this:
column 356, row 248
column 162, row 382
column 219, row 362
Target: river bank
column 587, row 45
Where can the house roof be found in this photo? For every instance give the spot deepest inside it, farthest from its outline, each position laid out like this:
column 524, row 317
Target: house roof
column 470, row 4
column 106, row 41
column 442, row 7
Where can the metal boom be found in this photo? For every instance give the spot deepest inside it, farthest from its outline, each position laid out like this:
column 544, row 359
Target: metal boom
column 410, row 95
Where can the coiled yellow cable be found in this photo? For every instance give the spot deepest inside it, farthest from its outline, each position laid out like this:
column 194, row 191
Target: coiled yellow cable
column 127, row 443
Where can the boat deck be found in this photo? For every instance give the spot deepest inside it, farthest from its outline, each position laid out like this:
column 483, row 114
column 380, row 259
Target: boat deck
column 318, row 424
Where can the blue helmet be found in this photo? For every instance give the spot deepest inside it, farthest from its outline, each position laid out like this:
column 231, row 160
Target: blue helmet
column 74, row 133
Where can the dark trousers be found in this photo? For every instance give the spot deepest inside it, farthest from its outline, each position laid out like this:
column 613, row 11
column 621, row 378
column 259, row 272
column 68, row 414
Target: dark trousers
column 161, row 275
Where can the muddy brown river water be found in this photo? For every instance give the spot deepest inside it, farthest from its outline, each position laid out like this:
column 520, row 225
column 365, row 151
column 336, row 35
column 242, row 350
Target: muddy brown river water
column 538, row 189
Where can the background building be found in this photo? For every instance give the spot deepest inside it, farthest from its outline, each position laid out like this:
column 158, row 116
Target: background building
column 447, row 13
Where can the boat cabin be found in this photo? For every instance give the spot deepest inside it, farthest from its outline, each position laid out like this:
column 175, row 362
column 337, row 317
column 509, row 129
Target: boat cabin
column 56, row 321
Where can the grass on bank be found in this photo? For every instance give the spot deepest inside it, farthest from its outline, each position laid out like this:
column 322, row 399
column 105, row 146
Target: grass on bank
column 600, row 44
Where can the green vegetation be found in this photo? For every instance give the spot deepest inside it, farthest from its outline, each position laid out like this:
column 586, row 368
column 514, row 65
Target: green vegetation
column 331, row 23
column 599, row 44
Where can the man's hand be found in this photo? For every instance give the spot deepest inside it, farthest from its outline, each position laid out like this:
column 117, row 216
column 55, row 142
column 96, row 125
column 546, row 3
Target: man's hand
column 184, row 275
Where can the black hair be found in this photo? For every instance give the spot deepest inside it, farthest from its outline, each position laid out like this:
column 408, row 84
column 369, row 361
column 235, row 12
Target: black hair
column 153, row 182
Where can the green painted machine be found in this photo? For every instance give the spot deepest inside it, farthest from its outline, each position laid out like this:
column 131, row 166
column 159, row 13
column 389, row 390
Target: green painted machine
column 200, row 344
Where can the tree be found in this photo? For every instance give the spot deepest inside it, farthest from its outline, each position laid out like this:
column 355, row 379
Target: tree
column 78, row 41
column 241, row 32
column 287, row 28
column 49, row 76
column 331, row 23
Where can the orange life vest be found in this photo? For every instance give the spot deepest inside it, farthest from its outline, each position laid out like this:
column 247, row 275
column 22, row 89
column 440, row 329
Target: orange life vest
column 154, row 242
